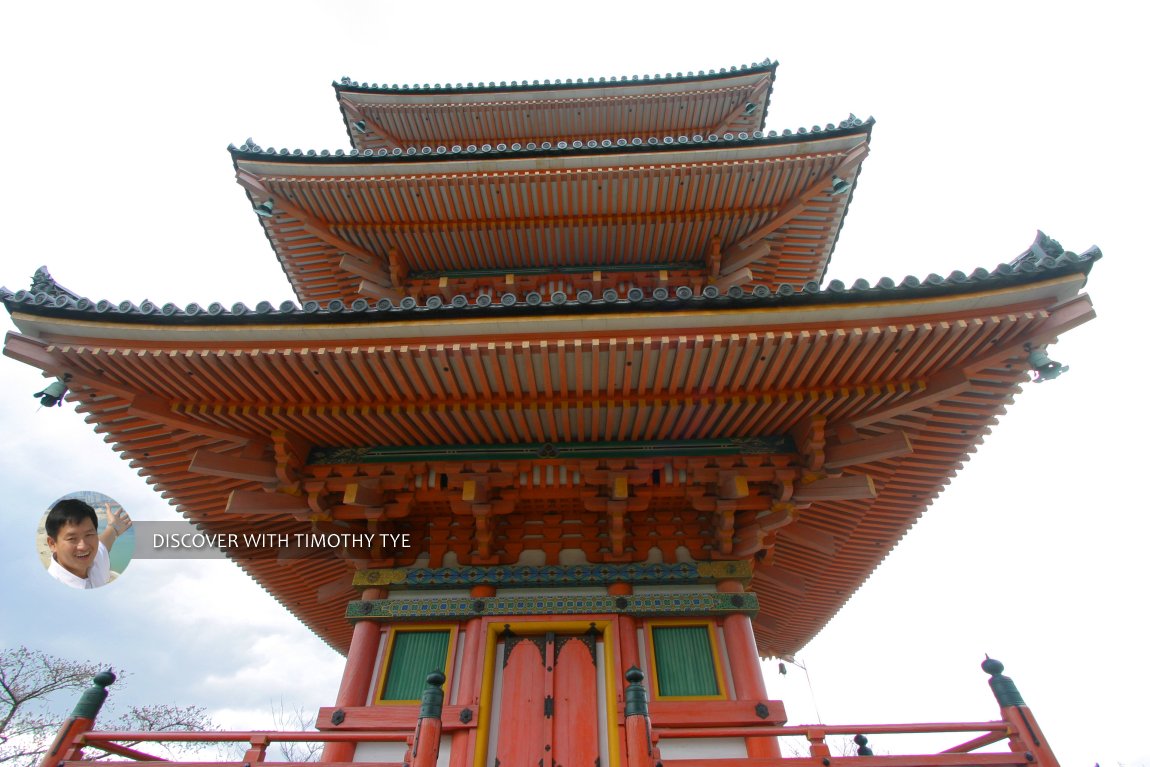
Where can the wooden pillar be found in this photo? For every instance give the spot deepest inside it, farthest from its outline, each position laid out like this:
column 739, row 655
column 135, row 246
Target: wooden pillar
column 64, row 746
column 746, row 672
column 1027, row 737
column 628, row 645
column 357, row 672
column 628, row 630
column 470, row 682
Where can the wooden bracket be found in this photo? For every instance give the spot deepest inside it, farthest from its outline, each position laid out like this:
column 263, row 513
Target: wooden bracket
column 751, row 537
column 892, row 445
column 260, row 503
column 835, row 489
column 849, row 161
column 231, row 466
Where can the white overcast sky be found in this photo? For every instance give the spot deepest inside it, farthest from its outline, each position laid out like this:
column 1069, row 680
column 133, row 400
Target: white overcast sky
column 993, row 120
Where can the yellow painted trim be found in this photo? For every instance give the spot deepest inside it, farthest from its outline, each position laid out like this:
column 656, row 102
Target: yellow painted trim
column 716, row 661
column 449, row 661
column 485, row 694
column 606, row 627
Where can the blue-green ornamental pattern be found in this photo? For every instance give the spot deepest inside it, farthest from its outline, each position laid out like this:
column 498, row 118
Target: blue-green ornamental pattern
column 554, row 575
column 641, row 605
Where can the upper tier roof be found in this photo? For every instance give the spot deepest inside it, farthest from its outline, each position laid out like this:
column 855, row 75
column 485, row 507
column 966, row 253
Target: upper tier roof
column 739, row 209
column 389, row 116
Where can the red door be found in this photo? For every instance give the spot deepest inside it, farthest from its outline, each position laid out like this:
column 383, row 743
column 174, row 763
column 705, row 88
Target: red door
column 549, row 707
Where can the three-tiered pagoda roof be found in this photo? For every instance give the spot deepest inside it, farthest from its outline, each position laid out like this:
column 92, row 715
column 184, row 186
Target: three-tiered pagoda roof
column 529, row 325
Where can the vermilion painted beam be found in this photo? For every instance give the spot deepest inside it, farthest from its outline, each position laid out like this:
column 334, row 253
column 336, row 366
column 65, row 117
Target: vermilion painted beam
column 32, row 352
column 739, row 255
column 865, row 451
column 783, row 578
column 308, row 222
column 369, row 270
column 258, row 502
column 333, row 590
column 232, row 467
column 737, row 277
column 940, row 387
column 675, row 714
column 369, row 288
column 810, row 538
column 835, row 489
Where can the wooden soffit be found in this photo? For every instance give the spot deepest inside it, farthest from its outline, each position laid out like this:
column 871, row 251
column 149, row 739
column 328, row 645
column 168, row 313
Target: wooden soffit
column 751, row 213
column 899, row 404
column 397, row 118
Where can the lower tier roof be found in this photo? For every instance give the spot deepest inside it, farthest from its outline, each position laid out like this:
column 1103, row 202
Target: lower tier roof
column 844, row 416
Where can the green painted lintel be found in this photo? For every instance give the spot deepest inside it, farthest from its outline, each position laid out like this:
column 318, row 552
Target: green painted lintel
column 670, row 266
column 774, row 445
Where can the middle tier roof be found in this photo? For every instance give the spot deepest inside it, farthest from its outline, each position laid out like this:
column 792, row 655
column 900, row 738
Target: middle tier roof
column 735, row 211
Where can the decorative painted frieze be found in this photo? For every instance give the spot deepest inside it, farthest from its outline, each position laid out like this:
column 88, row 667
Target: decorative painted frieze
column 637, row 605
column 553, row 575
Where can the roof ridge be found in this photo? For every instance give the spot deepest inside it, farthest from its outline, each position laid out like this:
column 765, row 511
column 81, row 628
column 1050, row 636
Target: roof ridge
column 766, row 65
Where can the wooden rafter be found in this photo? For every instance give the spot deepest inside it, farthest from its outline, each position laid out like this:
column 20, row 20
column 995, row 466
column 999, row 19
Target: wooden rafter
column 579, row 220
column 374, row 129
column 37, row 354
column 739, row 254
column 307, row 222
column 739, row 111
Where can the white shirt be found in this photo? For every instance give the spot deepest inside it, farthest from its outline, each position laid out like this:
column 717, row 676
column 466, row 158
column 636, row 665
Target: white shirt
column 98, row 575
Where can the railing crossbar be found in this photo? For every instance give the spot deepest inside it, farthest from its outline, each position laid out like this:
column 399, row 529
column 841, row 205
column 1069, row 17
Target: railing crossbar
column 995, row 730
column 979, row 742
column 131, row 753
column 97, row 738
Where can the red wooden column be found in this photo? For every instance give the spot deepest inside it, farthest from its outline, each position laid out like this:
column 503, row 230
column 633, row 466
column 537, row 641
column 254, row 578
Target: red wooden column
column 628, row 646
column 743, row 656
column 470, row 682
column 628, row 632
column 354, row 688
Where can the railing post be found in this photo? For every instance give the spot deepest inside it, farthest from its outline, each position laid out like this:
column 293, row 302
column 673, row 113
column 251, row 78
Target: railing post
column 425, row 746
column 1025, row 736
column 640, row 749
column 64, row 746
column 257, row 749
column 817, row 737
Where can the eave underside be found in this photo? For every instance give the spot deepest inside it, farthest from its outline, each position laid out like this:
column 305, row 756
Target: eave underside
column 756, row 215
column 940, row 380
column 388, row 120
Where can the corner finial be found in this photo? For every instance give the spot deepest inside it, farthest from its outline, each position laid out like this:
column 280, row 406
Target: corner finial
column 1003, row 687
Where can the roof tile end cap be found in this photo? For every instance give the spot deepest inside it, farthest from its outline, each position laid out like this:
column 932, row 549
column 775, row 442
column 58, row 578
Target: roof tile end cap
column 1045, row 250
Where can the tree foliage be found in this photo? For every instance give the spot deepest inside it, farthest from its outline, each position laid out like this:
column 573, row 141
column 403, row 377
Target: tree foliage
column 32, row 707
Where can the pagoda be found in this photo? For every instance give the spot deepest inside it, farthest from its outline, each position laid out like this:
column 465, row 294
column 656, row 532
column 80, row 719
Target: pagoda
column 566, row 387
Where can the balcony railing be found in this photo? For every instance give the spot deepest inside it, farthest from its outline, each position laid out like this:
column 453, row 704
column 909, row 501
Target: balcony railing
column 1022, row 743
